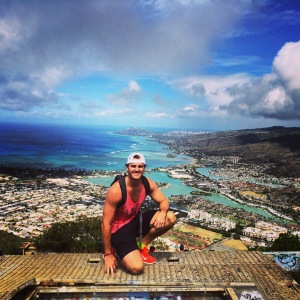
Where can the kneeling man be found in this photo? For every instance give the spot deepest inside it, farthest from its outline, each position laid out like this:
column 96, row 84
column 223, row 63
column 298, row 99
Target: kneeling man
column 122, row 222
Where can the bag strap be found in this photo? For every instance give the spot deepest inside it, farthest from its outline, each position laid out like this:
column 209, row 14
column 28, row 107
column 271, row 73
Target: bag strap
column 146, row 184
column 121, row 179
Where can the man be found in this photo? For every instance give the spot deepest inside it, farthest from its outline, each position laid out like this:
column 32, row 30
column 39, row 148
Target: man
column 121, row 223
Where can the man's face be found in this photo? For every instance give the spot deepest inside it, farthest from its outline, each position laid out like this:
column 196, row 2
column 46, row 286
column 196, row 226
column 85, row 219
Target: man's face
column 135, row 170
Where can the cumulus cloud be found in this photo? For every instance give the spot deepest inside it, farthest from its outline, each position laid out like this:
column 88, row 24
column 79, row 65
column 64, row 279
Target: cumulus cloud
column 127, row 96
column 112, row 35
column 156, row 115
column 191, row 107
column 22, row 93
column 45, row 43
column 111, row 113
column 56, row 40
column 266, row 97
column 287, row 65
column 213, row 89
column 275, row 95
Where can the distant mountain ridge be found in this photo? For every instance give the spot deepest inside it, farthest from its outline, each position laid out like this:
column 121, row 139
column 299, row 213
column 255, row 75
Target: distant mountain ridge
column 276, row 146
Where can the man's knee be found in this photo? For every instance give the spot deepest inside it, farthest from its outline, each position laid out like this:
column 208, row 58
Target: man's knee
column 135, row 268
column 133, row 263
column 171, row 219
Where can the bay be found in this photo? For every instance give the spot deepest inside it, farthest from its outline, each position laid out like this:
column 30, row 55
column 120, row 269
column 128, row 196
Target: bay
column 206, row 172
column 175, row 186
column 228, row 202
column 77, row 147
column 92, row 148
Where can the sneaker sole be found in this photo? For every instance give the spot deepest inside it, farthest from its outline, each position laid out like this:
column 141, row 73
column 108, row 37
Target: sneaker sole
column 147, row 263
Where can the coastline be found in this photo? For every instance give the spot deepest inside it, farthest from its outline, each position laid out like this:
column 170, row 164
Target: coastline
column 108, row 174
column 39, row 197
column 192, row 178
column 70, row 197
column 175, row 162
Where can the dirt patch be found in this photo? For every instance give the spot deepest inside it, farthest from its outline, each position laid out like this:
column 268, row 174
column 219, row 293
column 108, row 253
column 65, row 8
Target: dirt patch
column 197, row 238
column 235, row 244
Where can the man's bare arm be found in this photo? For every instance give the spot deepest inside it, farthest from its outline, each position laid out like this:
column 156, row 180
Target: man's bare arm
column 113, row 197
column 163, row 203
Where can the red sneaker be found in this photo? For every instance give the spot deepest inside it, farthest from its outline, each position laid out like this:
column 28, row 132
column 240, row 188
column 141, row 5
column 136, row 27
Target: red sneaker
column 147, row 259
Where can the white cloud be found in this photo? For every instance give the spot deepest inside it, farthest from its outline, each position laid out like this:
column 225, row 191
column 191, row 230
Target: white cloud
column 275, row 100
column 133, row 87
column 44, row 43
column 53, row 76
column 9, row 34
column 214, row 89
column 129, row 95
column 275, row 95
column 287, row 65
column 110, row 113
column 156, row 115
column 114, row 36
column 23, row 93
column 191, row 107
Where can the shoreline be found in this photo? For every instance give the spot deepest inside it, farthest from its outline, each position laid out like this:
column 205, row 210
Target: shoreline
column 186, row 172
column 270, row 210
column 106, row 174
column 205, row 193
column 70, row 197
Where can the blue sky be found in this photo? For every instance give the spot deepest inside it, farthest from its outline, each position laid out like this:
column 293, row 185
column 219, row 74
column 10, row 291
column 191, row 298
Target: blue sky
column 190, row 64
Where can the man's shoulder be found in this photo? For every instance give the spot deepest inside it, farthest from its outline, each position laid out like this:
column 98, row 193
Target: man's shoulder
column 115, row 191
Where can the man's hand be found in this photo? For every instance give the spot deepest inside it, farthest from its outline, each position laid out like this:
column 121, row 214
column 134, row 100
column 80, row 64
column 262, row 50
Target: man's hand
column 110, row 264
column 159, row 220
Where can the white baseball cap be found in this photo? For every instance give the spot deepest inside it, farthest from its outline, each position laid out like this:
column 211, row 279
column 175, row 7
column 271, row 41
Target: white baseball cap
column 136, row 157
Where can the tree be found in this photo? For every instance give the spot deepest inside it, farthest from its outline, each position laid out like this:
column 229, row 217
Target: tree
column 10, row 244
column 236, row 236
column 83, row 235
column 226, row 233
column 286, row 242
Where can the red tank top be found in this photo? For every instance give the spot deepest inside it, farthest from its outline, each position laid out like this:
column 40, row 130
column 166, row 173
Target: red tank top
column 128, row 211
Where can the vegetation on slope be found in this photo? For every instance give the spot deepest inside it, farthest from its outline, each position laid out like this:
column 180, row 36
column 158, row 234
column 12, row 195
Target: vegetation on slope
column 10, row 244
column 83, row 235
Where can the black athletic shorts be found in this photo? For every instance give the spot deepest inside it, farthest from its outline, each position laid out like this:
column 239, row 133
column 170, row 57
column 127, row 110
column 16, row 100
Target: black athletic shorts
column 124, row 239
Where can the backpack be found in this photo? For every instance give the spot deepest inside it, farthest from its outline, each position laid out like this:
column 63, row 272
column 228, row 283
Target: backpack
column 121, row 179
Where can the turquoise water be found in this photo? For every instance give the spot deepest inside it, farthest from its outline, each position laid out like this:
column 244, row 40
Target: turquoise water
column 92, row 148
column 205, row 171
column 226, row 201
column 176, row 186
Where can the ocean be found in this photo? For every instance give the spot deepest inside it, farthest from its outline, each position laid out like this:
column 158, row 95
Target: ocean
column 92, row 148
column 78, row 147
